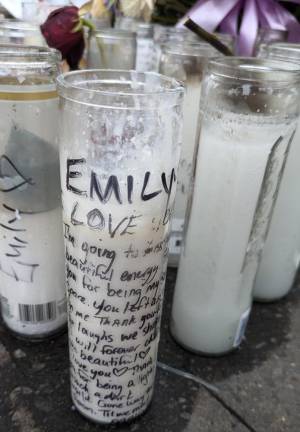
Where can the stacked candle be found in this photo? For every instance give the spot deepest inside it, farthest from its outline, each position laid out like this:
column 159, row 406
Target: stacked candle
column 249, row 115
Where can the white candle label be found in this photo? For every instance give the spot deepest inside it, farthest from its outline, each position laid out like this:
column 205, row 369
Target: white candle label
column 185, row 169
column 241, row 328
column 176, row 236
column 116, row 245
column 31, row 261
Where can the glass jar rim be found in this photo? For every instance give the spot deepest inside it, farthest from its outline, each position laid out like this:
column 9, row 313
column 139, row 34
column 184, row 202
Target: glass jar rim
column 144, row 85
column 254, row 69
column 283, row 51
column 27, row 52
column 189, row 48
column 114, row 33
column 15, row 24
column 173, row 29
column 29, row 58
column 269, row 30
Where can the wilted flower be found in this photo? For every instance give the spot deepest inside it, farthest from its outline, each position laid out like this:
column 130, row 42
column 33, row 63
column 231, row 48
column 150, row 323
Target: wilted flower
column 137, row 8
column 63, row 31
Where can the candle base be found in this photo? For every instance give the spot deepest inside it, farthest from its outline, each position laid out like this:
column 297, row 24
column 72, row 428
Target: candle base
column 115, row 422
column 37, row 338
column 200, row 352
column 271, row 300
column 173, row 261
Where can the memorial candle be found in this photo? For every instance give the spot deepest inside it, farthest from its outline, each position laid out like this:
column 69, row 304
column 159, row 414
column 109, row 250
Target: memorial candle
column 281, row 254
column 13, row 31
column 119, row 151
column 185, row 62
column 145, row 49
column 111, row 49
column 31, row 262
column 249, row 115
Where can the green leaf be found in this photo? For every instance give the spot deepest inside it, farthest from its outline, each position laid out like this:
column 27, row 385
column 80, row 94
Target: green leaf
column 87, row 23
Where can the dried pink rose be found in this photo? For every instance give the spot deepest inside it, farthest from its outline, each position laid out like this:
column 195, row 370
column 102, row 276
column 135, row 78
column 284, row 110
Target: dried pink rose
column 62, row 30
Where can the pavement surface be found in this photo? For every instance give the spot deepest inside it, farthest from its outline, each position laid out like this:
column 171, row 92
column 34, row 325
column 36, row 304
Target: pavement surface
column 256, row 388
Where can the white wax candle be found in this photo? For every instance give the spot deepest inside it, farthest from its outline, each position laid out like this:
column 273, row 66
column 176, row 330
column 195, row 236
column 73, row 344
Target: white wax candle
column 31, row 262
column 281, row 253
column 116, row 257
column 232, row 198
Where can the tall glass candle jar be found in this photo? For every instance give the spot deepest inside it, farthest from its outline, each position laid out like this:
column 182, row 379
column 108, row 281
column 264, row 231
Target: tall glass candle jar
column 31, row 244
column 165, row 35
column 37, row 11
column 185, row 62
column 266, row 36
column 126, row 23
column 112, row 49
column 20, row 32
column 249, row 115
column 281, row 253
column 119, row 151
column 145, row 50
column 103, row 22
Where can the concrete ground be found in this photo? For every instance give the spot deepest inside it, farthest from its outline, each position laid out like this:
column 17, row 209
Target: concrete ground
column 256, row 388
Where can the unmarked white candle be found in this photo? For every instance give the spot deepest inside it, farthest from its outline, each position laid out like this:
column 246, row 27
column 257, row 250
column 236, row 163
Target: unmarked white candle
column 225, row 230
column 281, row 253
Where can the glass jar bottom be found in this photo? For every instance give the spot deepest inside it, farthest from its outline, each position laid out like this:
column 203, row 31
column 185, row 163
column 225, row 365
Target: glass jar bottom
column 37, row 338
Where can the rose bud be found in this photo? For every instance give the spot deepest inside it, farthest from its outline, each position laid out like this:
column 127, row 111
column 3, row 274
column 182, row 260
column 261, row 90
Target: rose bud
column 63, row 31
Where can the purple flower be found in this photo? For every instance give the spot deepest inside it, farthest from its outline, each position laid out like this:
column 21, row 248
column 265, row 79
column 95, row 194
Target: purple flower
column 242, row 18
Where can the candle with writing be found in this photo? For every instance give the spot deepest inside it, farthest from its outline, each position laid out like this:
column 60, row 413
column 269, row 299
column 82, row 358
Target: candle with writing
column 31, row 244
column 249, row 114
column 119, row 150
column 185, row 62
column 281, row 254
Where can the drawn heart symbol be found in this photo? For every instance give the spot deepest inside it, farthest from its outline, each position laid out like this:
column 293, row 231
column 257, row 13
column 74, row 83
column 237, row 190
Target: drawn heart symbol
column 120, row 372
column 14, row 173
column 143, row 354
